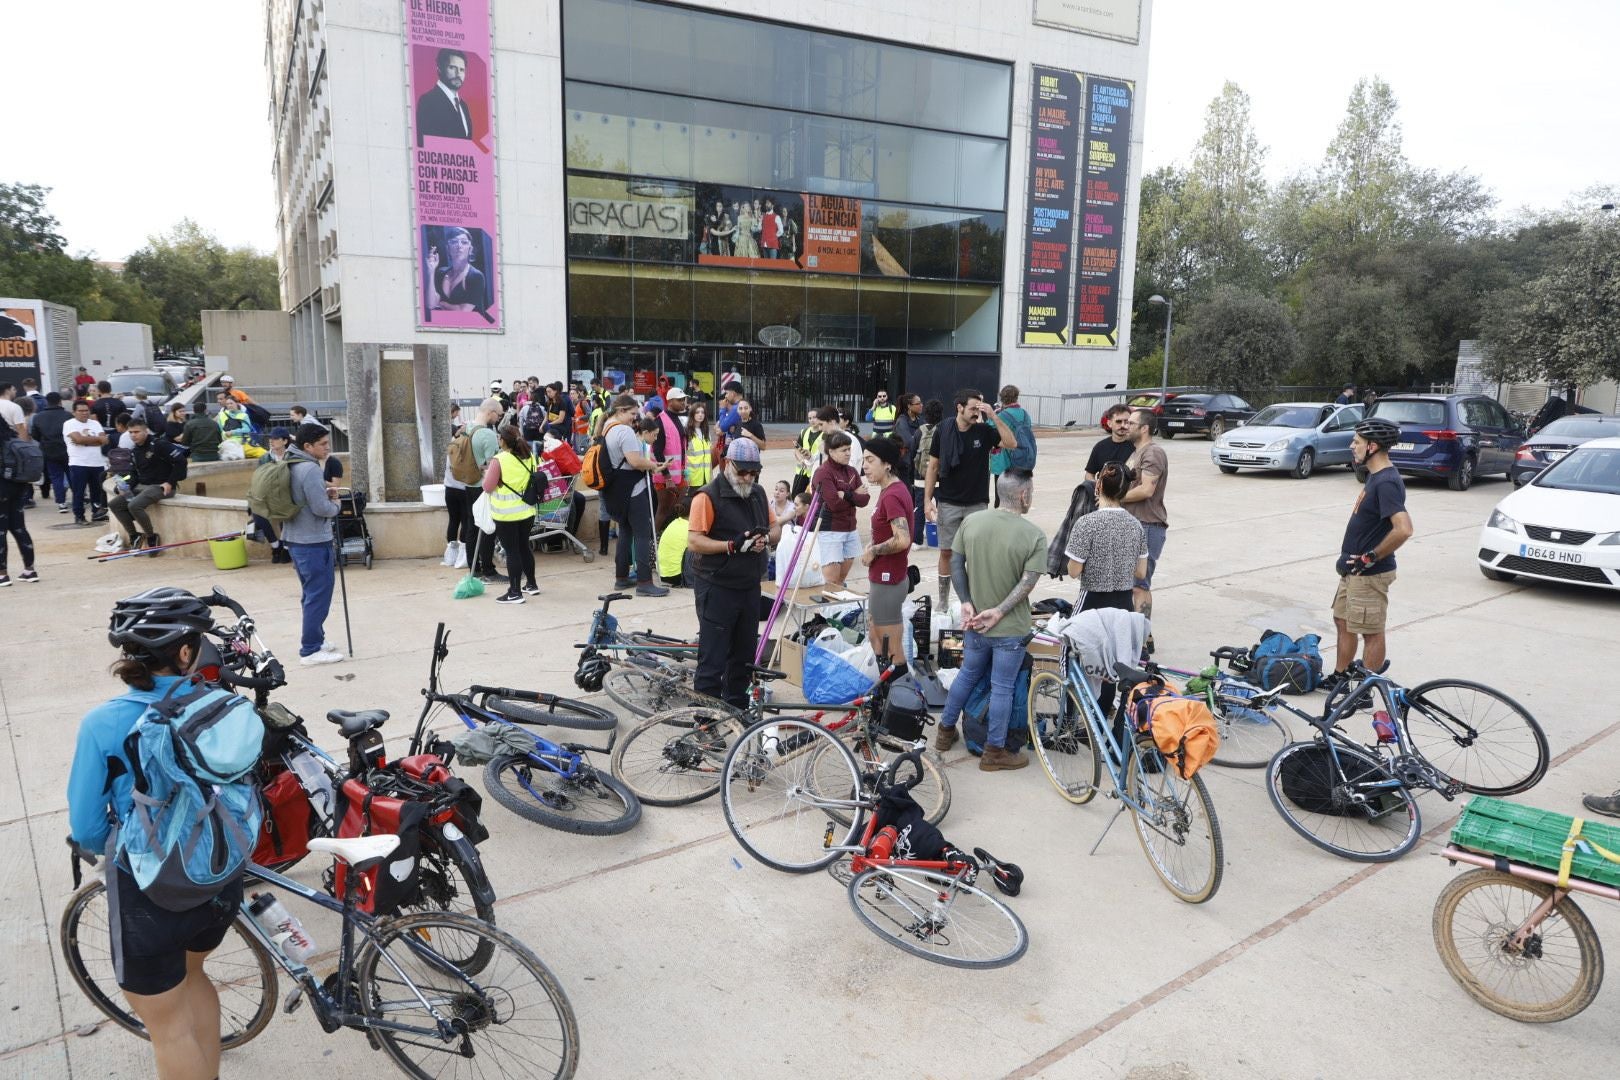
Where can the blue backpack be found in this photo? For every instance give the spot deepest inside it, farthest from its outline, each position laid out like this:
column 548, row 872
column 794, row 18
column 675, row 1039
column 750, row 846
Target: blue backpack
column 195, row 819
column 976, row 712
column 1295, row 664
column 1021, row 456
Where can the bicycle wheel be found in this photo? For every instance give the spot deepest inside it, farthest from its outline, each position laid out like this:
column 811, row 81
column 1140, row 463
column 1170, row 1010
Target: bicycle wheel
column 590, row 802
column 1554, row 976
column 934, row 916
column 1059, row 737
column 676, row 757
column 553, row 712
column 777, row 774
column 932, row 792
column 1346, row 808
column 648, row 691
column 244, row 976
column 1478, row 736
column 446, row 885
column 1250, row 738
column 512, row 1018
column 1180, row 834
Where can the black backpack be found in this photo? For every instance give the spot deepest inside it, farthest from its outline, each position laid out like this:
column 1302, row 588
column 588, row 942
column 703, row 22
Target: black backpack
column 22, row 461
column 534, row 492
column 257, row 414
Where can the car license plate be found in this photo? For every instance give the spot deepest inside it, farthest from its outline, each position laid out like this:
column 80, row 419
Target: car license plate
column 1402, row 446
column 1247, row 457
column 1559, row 555
column 1554, row 455
column 1174, row 423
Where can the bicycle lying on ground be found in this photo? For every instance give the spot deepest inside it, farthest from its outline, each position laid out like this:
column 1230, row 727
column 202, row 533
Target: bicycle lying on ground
column 1447, row 735
column 677, row 757
column 785, row 777
column 1174, row 818
column 549, row 783
column 643, row 672
column 398, row 983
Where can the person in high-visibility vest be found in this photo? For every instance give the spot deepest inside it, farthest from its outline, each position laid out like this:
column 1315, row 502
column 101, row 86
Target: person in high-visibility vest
column 506, row 478
column 805, row 448
column 699, row 448
column 882, row 413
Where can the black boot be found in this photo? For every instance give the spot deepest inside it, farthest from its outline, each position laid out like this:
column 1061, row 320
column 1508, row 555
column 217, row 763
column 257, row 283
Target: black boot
column 601, row 540
column 152, row 541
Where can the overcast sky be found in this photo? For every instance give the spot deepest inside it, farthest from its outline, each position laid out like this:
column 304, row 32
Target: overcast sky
column 138, row 116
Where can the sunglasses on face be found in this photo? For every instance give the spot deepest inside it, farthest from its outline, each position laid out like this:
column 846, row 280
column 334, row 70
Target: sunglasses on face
column 750, row 473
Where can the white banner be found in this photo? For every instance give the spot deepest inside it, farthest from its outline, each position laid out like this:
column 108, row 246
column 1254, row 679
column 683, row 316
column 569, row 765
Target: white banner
column 1117, row 19
column 656, row 218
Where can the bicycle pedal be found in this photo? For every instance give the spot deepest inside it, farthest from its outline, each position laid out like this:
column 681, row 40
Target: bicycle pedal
column 294, row 999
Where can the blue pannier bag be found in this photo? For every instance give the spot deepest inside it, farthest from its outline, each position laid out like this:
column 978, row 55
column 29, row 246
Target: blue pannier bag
column 1295, row 664
column 196, row 812
column 829, row 679
column 976, row 712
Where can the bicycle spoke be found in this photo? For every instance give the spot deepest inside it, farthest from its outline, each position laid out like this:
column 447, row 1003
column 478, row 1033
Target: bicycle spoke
column 937, row 917
column 1475, row 735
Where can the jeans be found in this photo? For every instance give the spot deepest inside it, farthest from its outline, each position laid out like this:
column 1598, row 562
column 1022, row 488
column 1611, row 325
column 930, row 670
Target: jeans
column 86, row 481
column 514, row 537
column 131, row 509
column 56, row 476
column 1000, row 657
column 12, row 497
column 728, row 634
column 635, row 521
column 316, row 565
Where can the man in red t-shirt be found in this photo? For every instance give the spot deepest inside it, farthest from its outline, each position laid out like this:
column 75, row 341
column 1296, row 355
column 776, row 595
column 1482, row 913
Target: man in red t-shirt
column 887, row 556
column 770, row 232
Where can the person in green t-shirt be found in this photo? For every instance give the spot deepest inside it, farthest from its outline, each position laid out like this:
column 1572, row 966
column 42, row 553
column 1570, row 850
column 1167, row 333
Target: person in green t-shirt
column 997, row 558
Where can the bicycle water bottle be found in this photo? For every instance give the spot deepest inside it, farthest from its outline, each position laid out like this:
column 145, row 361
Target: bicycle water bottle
column 1384, row 726
column 883, row 843
column 283, row 927
column 314, row 779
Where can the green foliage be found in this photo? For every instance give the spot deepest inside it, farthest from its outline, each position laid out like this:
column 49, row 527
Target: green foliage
column 1563, row 326
column 190, row 271
column 1239, row 341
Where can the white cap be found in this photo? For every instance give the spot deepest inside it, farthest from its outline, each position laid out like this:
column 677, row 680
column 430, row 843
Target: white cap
column 494, row 384
column 226, row 378
column 675, row 393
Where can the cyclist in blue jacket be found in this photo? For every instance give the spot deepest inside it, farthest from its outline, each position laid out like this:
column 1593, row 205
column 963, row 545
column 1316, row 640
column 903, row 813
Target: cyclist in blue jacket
column 158, row 954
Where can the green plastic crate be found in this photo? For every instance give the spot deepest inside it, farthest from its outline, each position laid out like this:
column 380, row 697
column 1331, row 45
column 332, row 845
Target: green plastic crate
column 1528, row 835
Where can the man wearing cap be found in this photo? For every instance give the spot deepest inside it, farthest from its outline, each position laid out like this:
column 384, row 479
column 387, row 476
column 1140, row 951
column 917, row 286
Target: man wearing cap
column 228, row 385
column 731, row 526
column 263, row 528
column 729, row 423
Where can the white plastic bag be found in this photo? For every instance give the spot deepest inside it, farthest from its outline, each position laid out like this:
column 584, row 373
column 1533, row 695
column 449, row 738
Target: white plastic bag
column 483, row 516
column 808, row 572
column 231, row 450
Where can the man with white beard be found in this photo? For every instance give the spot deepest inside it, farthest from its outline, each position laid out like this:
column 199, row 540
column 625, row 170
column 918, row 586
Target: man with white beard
column 731, row 527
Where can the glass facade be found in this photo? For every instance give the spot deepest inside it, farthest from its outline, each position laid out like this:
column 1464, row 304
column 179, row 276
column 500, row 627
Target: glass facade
column 733, row 182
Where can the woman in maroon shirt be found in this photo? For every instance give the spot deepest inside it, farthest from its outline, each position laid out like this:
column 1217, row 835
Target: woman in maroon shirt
column 841, row 492
column 887, row 557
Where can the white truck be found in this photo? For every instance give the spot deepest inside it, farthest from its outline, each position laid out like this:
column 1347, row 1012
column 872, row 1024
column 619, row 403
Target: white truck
column 107, row 346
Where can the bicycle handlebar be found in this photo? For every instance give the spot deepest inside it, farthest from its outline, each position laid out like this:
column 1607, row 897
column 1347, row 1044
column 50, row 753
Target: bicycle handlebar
column 274, row 678
column 910, row 757
column 218, row 599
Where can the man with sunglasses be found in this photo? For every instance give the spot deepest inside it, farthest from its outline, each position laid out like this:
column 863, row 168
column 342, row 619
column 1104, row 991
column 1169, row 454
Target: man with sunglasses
column 731, row 527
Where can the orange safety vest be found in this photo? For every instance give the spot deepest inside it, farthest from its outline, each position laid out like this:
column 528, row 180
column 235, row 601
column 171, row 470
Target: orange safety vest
column 582, row 423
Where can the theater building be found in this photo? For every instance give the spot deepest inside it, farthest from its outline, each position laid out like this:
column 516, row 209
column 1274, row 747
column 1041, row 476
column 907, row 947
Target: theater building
column 826, row 197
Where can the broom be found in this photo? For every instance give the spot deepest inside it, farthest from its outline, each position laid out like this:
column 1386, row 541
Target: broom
column 469, row 586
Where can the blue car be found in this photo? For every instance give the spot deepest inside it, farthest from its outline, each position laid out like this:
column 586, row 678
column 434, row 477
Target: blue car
column 1454, row 437
column 1296, row 437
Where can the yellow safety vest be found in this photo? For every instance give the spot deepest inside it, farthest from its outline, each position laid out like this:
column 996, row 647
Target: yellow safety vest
column 808, row 440
column 699, row 459
column 883, row 418
column 506, row 501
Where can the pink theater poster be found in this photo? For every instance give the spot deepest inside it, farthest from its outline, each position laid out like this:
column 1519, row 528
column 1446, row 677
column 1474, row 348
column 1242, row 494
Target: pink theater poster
column 453, row 164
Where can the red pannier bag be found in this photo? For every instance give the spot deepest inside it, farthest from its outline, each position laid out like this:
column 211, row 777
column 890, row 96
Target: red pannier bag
column 396, row 881
column 458, row 802
column 288, row 821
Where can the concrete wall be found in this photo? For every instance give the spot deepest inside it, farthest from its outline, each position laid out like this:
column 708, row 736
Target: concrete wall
column 257, row 345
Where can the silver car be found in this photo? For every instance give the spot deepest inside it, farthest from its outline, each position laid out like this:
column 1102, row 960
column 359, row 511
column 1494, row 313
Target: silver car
column 1295, row 436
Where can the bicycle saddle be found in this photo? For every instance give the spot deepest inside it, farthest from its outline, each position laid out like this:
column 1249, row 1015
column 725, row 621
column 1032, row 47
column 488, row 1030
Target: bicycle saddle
column 614, row 596
column 351, row 724
column 1130, row 676
column 360, row 852
column 766, row 674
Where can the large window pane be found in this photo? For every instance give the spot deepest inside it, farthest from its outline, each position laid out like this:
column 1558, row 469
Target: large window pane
column 984, row 243
column 721, row 305
column 594, row 213
column 778, row 300
column 595, row 128
column 885, row 240
column 935, row 243
column 663, row 302
column 594, row 36
column 977, row 319
column 983, row 172
column 832, row 312
column 883, row 312
column 932, row 316
column 661, row 136
column 599, row 306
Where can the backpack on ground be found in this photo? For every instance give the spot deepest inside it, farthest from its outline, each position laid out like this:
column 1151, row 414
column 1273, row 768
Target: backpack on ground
column 463, row 465
column 22, row 461
column 270, row 492
column 593, row 467
column 396, row 881
column 976, row 712
column 196, row 813
column 1082, row 502
column 1308, row 778
column 1295, row 664
column 1182, row 728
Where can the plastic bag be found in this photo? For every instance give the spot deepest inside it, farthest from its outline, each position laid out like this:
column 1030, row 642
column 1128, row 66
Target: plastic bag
column 808, row 571
column 231, row 450
column 836, row 672
column 483, row 516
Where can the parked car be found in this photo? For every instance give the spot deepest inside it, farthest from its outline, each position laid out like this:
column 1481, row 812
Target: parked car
column 1151, row 401
column 158, row 384
column 1557, row 439
column 1203, row 414
column 1564, row 525
column 1454, row 437
column 1296, row 436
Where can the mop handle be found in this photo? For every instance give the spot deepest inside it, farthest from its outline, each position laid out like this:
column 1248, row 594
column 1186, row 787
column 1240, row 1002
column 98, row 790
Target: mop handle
column 111, row 556
column 793, row 566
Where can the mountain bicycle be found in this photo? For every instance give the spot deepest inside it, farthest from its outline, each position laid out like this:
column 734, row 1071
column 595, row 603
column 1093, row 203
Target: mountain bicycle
column 678, row 757
column 1174, row 818
column 1447, row 735
column 785, row 777
column 546, row 782
column 398, row 982
column 642, row 672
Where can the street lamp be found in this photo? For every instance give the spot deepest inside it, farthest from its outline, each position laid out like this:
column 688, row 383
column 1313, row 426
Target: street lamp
column 1169, row 319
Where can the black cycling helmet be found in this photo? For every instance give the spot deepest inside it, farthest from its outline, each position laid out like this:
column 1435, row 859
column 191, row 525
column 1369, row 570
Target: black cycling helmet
column 591, row 671
column 1377, row 429
column 157, row 619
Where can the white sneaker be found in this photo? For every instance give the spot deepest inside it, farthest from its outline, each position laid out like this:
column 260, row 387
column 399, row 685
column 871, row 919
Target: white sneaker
column 326, row 655
column 461, row 556
column 449, row 554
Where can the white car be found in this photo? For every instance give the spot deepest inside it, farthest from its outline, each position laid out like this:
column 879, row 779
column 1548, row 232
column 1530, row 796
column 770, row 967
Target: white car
column 1562, row 526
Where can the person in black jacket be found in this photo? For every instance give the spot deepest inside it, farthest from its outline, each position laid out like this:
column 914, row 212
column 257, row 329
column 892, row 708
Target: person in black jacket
column 46, row 427
column 151, row 478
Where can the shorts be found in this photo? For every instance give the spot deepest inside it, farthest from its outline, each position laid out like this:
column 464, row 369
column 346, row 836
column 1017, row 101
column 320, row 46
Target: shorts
column 835, row 547
column 884, row 601
column 950, row 518
column 1155, row 535
column 1362, row 601
column 152, row 942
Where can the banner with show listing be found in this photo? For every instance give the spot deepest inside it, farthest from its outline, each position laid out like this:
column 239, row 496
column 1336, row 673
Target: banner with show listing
column 21, row 327
column 1079, row 161
column 453, row 164
column 777, row 230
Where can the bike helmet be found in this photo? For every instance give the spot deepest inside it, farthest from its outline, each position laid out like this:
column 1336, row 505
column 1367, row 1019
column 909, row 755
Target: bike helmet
column 591, row 671
column 1377, row 429
column 157, row 619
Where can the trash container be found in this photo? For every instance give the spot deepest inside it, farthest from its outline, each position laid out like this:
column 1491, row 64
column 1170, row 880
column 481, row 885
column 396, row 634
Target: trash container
column 229, row 554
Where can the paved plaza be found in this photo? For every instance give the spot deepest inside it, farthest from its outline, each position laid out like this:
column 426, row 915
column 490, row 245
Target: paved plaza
column 684, row 958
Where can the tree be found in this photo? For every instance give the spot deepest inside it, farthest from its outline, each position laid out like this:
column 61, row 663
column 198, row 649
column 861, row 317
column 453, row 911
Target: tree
column 1239, row 340
column 1357, row 328
column 1564, row 326
column 189, row 271
column 1224, row 193
column 25, row 225
column 1365, row 168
